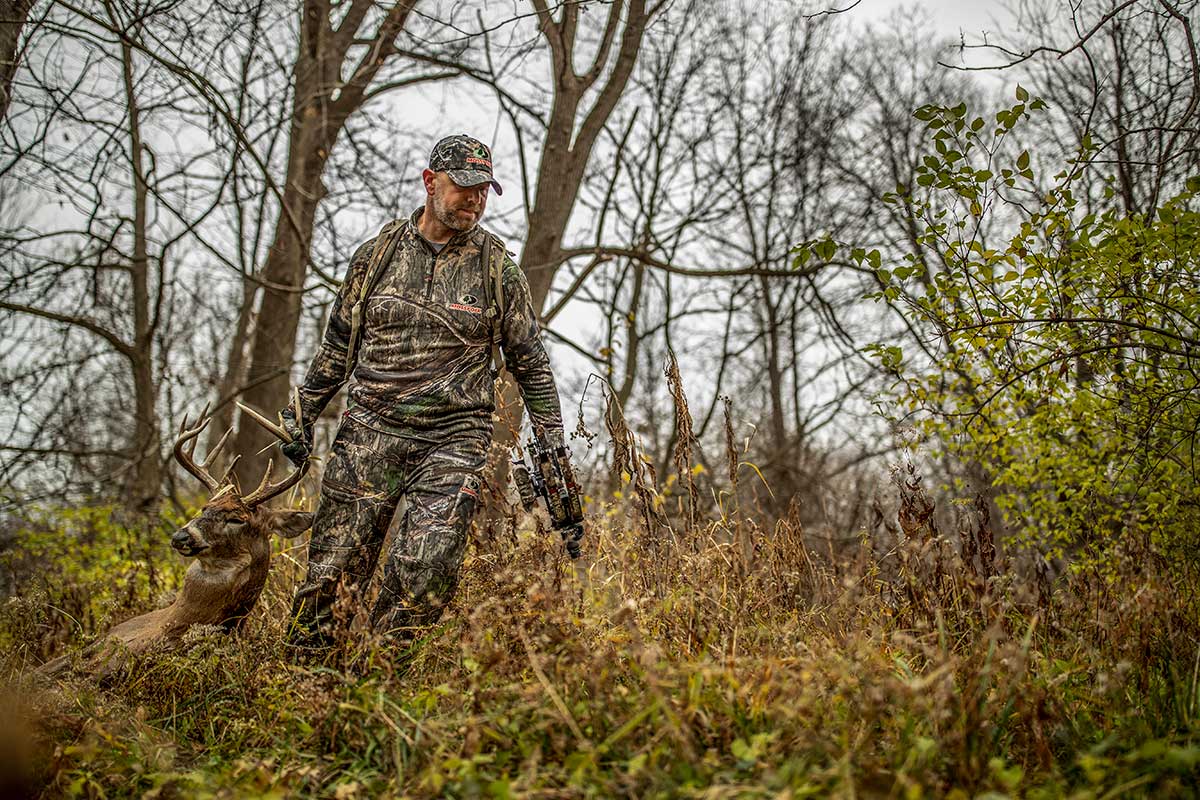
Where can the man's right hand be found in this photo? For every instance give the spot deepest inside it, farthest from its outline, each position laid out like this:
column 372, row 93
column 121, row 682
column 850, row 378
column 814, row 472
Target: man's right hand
column 300, row 447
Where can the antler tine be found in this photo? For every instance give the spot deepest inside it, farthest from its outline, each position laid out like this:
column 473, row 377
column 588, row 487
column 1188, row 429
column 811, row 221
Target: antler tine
column 229, row 471
column 278, row 430
column 185, row 451
column 266, row 490
column 212, row 454
column 266, row 477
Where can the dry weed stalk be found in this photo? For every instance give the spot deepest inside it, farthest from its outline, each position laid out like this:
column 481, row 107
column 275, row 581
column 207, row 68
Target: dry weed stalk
column 632, row 466
column 731, row 452
column 685, row 441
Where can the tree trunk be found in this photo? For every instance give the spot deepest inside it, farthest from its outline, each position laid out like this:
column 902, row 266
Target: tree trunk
column 13, row 15
column 559, row 179
column 268, row 377
column 234, row 378
column 144, row 484
column 322, row 102
column 780, row 472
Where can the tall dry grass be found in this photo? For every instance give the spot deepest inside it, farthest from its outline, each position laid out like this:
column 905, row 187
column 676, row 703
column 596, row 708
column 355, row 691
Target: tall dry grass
column 692, row 652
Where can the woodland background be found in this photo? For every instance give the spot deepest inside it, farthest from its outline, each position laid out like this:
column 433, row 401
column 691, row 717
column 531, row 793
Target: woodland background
column 885, row 370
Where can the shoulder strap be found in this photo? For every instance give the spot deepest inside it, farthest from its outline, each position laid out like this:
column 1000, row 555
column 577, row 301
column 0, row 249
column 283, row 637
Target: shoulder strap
column 385, row 247
column 493, row 292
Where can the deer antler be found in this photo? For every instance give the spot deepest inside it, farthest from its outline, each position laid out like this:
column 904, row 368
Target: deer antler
column 278, row 430
column 266, row 490
column 185, row 454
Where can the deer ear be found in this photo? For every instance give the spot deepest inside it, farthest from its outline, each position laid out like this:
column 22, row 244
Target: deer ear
column 292, row 523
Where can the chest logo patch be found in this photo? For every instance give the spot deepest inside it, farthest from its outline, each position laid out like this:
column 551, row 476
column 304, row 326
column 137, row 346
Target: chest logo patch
column 468, row 303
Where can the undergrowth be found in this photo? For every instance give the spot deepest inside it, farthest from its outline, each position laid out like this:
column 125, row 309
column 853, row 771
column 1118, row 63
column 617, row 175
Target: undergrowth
column 721, row 661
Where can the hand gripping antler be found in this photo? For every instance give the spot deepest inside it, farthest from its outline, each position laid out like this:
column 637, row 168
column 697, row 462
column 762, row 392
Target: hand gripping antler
column 266, row 490
column 185, row 452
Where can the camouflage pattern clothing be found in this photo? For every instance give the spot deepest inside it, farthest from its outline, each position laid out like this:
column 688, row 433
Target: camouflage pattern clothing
column 370, row 467
column 424, row 359
column 419, row 424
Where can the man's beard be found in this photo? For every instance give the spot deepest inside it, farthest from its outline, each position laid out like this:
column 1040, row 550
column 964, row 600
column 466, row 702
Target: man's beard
column 447, row 216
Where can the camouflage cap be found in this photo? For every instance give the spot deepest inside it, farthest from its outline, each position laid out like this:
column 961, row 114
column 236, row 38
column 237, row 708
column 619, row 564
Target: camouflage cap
column 465, row 159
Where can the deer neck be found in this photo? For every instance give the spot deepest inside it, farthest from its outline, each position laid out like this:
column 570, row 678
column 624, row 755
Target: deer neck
column 215, row 588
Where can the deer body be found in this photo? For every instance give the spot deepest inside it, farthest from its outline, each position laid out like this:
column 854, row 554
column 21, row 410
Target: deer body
column 231, row 541
column 214, row 592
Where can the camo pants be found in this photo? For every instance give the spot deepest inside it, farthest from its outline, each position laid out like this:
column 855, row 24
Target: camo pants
column 370, row 468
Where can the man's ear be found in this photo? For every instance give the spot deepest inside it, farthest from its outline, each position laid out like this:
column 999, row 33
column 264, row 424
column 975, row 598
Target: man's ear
column 292, row 523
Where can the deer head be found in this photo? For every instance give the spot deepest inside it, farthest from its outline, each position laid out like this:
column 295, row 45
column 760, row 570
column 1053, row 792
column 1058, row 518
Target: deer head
column 231, row 524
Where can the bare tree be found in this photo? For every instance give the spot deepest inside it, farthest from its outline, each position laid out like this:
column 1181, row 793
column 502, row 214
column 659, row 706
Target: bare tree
column 104, row 269
column 573, row 125
column 124, row 126
column 1124, row 82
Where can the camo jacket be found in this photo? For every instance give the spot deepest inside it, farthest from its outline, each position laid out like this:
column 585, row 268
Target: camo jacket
column 424, row 359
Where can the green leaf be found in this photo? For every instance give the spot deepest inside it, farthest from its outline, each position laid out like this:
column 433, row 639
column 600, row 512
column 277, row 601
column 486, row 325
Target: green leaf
column 1022, row 95
column 500, row 789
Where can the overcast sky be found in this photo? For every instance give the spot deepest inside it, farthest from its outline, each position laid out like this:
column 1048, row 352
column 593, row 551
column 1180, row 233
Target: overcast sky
column 949, row 15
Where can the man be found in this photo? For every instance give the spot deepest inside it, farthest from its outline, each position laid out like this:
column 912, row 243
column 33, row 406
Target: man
column 418, row 353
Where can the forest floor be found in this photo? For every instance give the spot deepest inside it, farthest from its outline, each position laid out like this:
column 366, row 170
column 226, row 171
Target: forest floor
column 722, row 662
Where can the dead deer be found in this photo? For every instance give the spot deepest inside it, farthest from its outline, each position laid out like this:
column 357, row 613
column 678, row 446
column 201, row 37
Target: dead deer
column 230, row 540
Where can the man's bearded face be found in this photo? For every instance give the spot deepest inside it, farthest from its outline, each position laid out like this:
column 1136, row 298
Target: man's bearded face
column 458, row 208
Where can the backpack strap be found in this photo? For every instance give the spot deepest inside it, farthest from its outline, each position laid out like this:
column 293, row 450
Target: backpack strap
column 381, row 256
column 492, row 260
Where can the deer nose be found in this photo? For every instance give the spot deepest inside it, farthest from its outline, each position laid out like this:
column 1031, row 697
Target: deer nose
column 180, row 538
